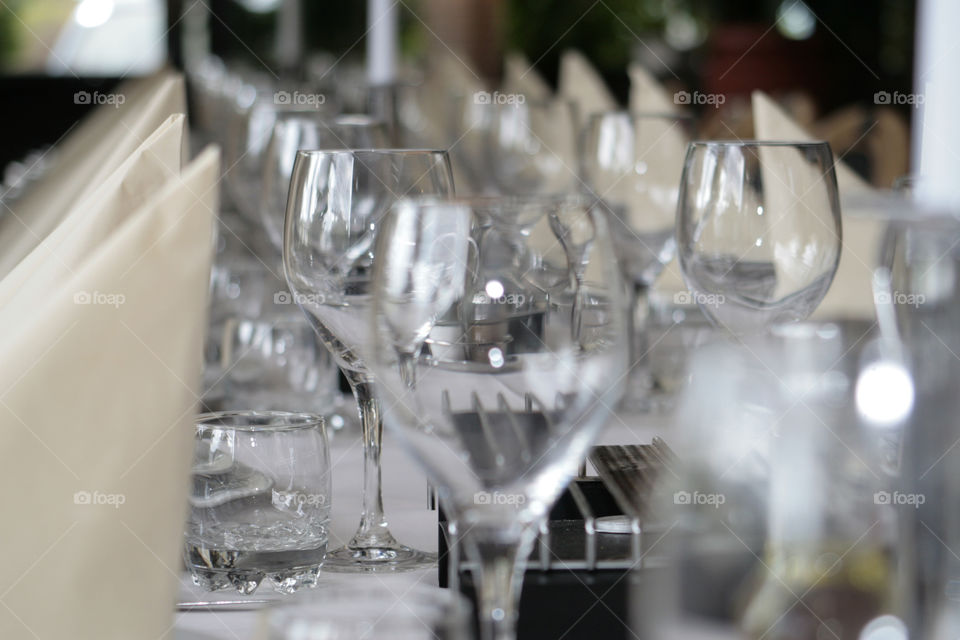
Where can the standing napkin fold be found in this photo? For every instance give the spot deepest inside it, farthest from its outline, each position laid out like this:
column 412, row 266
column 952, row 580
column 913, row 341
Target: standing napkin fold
column 580, row 83
column 92, row 218
column 97, row 396
column 647, row 95
column 519, row 76
column 89, row 153
column 851, row 294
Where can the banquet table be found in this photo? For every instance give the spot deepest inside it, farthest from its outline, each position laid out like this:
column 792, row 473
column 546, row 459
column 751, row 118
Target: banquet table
column 405, row 502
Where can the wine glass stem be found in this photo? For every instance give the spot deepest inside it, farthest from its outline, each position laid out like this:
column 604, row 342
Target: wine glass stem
column 373, row 531
column 639, row 312
column 501, row 562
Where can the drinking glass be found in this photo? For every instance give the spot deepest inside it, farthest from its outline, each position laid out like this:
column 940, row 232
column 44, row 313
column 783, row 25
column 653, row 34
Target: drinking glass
column 532, row 146
column 295, row 130
column 758, row 230
column 337, row 199
column 370, row 611
column 499, row 344
column 260, row 503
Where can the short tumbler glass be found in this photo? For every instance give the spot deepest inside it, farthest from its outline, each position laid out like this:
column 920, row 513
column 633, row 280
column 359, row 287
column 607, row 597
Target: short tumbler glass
column 259, row 502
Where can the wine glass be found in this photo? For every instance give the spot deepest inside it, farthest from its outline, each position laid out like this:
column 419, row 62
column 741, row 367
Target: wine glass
column 499, row 356
column 631, row 164
column 337, row 199
column 295, row 130
column 532, row 146
column 758, row 230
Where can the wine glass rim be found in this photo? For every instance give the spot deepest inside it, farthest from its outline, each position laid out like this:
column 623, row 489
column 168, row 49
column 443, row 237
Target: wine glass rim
column 760, row 143
column 640, row 115
column 234, row 420
column 385, row 151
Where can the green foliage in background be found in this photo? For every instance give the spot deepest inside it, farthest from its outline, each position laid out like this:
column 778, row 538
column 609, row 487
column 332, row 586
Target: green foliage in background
column 8, row 31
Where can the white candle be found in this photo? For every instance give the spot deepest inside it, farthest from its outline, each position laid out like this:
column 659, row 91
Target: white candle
column 382, row 28
column 936, row 131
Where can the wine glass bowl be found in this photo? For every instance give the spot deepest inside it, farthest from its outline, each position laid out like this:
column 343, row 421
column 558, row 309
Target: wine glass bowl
column 758, row 230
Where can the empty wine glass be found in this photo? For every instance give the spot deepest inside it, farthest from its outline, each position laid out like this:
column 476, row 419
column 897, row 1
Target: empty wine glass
column 532, row 146
column 758, row 230
column 337, row 199
column 631, row 163
column 508, row 319
column 296, row 130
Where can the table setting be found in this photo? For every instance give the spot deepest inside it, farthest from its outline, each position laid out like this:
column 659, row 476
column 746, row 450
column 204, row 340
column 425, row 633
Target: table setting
column 381, row 346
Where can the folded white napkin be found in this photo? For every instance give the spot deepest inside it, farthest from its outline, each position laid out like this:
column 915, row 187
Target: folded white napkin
column 647, row 95
column 580, row 83
column 851, row 294
column 87, row 155
column 97, row 396
column 519, row 76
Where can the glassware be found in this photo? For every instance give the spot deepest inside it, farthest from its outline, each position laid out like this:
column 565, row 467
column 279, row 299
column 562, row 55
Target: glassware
column 777, row 516
column 500, row 351
column 295, row 130
column 260, row 502
column 631, row 163
column 337, row 199
column 758, row 230
column 370, row 611
column 532, row 146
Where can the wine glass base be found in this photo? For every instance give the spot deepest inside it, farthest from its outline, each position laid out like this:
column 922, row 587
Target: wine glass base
column 392, row 559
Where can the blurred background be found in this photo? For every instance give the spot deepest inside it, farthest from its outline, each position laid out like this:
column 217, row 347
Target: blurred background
column 825, row 61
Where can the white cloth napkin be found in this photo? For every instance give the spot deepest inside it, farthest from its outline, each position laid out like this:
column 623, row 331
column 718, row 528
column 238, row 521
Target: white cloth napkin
column 520, row 77
column 85, row 157
column 580, row 83
column 851, row 294
column 97, row 395
column 647, row 95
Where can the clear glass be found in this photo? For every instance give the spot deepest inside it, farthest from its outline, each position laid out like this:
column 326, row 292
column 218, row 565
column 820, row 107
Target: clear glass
column 337, row 199
column 778, row 518
column 370, row 611
column 758, row 230
column 277, row 362
column 500, row 351
column 296, row 130
column 532, row 146
column 260, row 501
column 249, row 125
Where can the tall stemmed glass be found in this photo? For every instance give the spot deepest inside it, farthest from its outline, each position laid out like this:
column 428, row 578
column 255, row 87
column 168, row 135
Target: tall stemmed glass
column 758, row 230
column 500, row 356
column 631, row 163
column 294, row 131
column 337, row 199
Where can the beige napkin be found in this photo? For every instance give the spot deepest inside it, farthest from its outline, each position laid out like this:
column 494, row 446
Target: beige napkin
column 519, row 76
column 85, row 157
column 97, row 398
column 93, row 217
column 851, row 294
column 647, row 95
column 580, row 83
